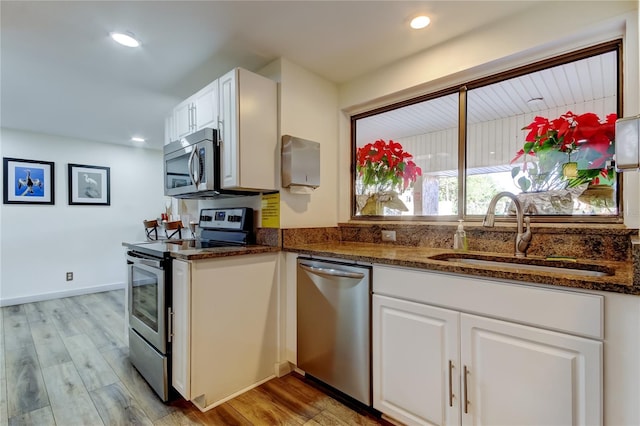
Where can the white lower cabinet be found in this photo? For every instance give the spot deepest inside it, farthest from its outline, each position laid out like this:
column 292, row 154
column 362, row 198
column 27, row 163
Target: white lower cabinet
column 442, row 366
column 519, row 375
column 181, row 323
column 224, row 326
column 413, row 345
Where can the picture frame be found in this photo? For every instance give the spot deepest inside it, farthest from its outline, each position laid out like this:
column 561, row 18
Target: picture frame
column 28, row 181
column 89, row 185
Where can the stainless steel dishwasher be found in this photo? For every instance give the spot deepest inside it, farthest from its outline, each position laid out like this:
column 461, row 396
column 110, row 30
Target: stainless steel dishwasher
column 334, row 320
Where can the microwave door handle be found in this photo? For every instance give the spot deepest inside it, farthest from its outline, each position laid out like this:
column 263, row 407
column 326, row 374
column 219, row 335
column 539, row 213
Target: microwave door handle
column 194, row 178
column 198, row 163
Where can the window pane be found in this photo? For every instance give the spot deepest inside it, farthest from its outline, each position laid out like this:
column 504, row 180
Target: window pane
column 568, row 166
column 424, row 183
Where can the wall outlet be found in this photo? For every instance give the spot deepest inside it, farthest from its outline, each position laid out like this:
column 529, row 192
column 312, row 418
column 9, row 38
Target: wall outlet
column 388, row 235
column 69, row 276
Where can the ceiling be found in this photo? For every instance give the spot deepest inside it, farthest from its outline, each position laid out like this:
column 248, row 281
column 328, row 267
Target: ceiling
column 61, row 74
column 591, row 81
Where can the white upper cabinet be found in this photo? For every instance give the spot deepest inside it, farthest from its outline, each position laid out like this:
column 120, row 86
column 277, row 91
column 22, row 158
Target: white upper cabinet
column 169, row 129
column 243, row 107
column 194, row 113
column 183, row 118
column 205, row 107
column 248, row 130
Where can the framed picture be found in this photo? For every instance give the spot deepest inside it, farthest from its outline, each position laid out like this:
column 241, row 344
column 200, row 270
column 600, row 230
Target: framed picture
column 89, row 185
column 28, row 181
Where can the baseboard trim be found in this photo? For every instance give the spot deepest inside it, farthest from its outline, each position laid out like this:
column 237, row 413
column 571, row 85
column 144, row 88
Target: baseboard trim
column 61, row 294
column 198, row 402
column 283, row 368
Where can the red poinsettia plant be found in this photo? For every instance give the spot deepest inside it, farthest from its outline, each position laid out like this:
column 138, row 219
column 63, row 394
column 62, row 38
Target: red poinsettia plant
column 581, row 141
column 386, row 166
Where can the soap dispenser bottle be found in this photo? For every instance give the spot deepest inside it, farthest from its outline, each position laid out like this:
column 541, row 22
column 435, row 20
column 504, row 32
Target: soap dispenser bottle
column 460, row 238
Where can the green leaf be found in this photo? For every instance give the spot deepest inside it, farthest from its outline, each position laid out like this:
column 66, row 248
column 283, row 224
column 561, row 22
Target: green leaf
column 528, row 146
column 524, row 184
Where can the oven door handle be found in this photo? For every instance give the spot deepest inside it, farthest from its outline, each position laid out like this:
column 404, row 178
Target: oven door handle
column 143, row 261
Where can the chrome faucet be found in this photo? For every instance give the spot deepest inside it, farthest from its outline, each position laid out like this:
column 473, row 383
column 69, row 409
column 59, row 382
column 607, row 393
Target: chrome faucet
column 524, row 235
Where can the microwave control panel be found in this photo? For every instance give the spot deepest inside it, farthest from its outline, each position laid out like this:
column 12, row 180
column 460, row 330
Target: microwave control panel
column 240, row 218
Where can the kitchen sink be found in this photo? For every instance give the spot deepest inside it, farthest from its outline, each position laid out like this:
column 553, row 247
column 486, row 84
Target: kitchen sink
column 526, row 264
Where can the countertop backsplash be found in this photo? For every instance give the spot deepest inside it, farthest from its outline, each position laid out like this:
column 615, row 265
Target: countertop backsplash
column 613, row 243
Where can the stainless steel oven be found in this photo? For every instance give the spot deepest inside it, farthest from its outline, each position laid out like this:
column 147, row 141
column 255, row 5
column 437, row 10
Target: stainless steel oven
column 149, row 313
column 149, row 291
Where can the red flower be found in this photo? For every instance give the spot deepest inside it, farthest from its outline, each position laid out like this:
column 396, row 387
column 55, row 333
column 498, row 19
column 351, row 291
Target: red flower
column 585, row 139
column 386, row 165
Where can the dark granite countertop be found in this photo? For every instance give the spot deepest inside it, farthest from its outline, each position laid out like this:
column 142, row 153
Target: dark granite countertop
column 217, row 252
column 620, row 281
column 186, row 251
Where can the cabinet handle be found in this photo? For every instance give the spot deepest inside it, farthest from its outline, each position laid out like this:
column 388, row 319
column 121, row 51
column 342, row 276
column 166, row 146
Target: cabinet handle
column 170, row 324
column 194, row 125
column 450, row 384
column 220, row 129
column 466, row 400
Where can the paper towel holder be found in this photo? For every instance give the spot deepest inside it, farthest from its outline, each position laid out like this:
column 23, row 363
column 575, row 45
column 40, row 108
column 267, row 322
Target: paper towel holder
column 300, row 169
column 628, row 143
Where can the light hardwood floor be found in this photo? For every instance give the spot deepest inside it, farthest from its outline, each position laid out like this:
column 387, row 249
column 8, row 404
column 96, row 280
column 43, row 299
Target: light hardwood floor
column 64, row 362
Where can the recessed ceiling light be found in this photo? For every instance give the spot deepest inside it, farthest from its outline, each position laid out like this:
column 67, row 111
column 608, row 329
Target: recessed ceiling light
column 125, row 39
column 420, row 22
column 137, row 139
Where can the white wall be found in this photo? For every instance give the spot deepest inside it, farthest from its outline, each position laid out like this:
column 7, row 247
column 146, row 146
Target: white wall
column 517, row 41
column 308, row 106
column 41, row 243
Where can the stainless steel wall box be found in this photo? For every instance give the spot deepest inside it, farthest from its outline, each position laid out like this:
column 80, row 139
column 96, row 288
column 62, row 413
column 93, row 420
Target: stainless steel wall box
column 628, row 143
column 300, row 164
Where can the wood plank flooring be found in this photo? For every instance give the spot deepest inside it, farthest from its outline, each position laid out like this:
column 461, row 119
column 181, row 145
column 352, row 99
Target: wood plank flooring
column 65, row 362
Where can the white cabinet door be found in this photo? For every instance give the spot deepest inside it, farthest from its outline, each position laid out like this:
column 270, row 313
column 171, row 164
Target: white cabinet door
column 169, row 129
column 519, row 375
column 416, row 373
column 227, row 129
column 183, row 116
column 248, row 128
column 181, row 340
column 206, row 107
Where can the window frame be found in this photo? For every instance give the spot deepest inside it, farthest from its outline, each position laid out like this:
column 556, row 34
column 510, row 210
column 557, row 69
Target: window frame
column 462, row 89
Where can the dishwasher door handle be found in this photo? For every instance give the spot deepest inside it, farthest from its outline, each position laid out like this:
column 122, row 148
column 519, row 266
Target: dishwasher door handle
column 332, row 273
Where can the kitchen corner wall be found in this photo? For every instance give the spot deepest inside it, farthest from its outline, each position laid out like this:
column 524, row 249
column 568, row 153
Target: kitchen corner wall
column 40, row 243
column 308, row 109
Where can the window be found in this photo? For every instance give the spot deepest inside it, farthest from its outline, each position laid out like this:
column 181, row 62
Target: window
column 446, row 155
column 426, row 130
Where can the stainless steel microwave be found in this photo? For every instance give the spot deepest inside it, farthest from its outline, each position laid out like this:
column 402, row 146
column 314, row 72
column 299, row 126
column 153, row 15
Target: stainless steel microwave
column 192, row 165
